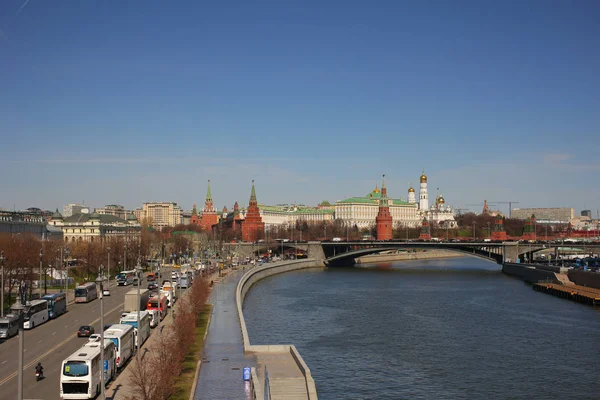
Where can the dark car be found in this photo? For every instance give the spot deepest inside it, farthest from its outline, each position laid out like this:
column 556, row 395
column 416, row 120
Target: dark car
column 85, row 331
column 152, row 286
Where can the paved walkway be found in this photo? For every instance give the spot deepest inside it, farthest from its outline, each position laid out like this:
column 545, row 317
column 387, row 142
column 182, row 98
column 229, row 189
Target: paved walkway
column 223, row 358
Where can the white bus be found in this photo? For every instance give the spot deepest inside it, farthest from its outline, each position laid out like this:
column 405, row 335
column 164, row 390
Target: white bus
column 35, row 313
column 86, row 292
column 123, row 338
column 125, row 278
column 143, row 332
column 81, row 371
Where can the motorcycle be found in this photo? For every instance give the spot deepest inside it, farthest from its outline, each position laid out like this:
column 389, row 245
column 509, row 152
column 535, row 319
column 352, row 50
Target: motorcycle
column 39, row 375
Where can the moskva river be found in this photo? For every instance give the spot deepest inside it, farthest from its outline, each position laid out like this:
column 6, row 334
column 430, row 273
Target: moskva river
column 439, row 329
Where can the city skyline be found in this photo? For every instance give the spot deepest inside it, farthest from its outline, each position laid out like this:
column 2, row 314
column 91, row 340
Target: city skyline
column 121, row 104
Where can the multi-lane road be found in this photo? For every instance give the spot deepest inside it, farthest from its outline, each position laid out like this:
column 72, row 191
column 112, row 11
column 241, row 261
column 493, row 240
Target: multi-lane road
column 50, row 344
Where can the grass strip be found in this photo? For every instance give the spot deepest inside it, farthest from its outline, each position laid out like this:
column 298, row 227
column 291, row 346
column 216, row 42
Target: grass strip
column 184, row 382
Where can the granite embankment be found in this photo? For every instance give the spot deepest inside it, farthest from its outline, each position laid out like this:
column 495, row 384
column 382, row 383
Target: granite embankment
column 407, row 256
column 288, row 375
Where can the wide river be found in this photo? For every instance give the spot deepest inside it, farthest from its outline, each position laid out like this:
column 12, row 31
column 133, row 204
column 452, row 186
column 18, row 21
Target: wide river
column 439, row 329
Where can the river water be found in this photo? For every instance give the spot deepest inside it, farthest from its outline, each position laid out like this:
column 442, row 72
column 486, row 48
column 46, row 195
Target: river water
column 438, row 329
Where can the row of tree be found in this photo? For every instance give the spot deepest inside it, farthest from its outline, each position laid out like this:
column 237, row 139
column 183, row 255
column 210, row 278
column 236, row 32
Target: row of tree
column 155, row 372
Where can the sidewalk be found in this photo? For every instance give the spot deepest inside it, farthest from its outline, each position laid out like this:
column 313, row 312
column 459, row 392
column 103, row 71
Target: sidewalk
column 223, row 359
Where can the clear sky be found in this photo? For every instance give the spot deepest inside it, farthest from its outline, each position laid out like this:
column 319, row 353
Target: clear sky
column 132, row 101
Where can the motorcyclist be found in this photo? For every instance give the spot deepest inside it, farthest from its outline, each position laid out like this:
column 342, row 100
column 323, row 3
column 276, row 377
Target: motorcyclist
column 39, row 369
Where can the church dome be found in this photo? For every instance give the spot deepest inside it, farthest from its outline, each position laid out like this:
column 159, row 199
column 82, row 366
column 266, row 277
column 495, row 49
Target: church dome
column 376, row 190
column 423, row 178
column 131, row 217
column 441, row 200
column 411, row 190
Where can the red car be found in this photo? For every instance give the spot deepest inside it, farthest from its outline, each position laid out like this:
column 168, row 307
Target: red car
column 85, row 331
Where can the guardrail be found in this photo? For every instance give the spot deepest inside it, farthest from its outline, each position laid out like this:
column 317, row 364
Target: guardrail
column 245, row 283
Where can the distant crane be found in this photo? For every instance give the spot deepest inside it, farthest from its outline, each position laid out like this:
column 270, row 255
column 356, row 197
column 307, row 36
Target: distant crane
column 460, row 210
column 510, row 203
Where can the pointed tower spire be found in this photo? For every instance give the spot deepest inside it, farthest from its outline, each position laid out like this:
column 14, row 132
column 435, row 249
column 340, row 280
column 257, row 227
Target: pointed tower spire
column 383, row 188
column 253, row 193
column 208, row 194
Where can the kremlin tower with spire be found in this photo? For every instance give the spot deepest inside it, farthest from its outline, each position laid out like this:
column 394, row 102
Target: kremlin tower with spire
column 384, row 218
column 194, row 219
column 253, row 226
column 209, row 215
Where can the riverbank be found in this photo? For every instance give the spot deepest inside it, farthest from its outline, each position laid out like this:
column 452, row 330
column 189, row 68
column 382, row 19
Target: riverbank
column 407, row 256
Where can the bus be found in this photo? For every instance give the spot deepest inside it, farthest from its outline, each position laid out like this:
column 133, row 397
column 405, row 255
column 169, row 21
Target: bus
column 141, row 334
column 123, row 338
column 35, row 313
column 81, row 371
column 86, row 292
column 162, row 308
column 125, row 278
column 57, row 304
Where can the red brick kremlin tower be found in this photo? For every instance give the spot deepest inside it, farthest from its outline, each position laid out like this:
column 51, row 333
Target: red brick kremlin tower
column 425, row 231
column 209, row 215
column 499, row 232
column 384, row 218
column 252, row 227
column 237, row 219
column 194, row 219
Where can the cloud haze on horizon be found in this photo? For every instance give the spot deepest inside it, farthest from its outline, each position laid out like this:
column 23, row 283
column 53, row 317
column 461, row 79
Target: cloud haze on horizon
column 120, row 104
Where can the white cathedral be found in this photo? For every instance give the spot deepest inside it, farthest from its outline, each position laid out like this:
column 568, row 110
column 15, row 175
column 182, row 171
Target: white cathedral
column 439, row 212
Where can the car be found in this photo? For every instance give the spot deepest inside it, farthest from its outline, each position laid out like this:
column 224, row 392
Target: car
column 94, row 337
column 85, row 331
column 105, row 292
column 107, row 326
column 152, row 286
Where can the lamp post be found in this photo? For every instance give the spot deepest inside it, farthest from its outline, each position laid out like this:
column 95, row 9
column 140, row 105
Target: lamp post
column 2, row 290
column 67, row 271
column 19, row 308
column 138, row 269
column 99, row 281
column 40, row 281
column 108, row 259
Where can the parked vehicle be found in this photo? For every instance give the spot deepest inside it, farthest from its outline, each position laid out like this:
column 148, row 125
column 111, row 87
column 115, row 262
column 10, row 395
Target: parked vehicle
column 132, row 303
column 123, row 338
column 57, row 304
column 143, row 331
column 9, row 326
column 35, row 313
column 158, row 303
column 105, row 292
column 81, row 377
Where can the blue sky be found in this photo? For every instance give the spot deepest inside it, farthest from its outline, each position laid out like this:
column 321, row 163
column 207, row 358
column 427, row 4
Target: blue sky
column 132, row 101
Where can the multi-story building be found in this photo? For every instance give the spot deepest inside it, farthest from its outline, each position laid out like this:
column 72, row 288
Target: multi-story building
column 284, row 214
column 545, row 215
column 93, row 227
column 160, row 215
column 115, row 210
column 72, row 208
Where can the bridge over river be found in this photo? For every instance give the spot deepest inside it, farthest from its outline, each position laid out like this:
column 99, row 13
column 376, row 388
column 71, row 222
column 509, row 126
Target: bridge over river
column 344, row 253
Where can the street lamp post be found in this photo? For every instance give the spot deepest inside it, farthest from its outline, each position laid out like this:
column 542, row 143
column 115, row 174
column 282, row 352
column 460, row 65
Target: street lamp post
column 67, row 271
column 139, row 273
column 100, row 281
column 2, row 290
column 19, row 308
column 108, row 259
column 40, row 281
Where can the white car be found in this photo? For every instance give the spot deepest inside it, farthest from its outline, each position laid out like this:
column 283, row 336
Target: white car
column 94, row 337
column 106, row 292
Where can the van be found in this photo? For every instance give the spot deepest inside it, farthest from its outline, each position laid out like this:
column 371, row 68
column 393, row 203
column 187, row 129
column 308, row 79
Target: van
column 9, row 326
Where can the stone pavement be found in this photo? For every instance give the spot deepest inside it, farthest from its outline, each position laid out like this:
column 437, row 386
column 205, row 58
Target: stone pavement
column 223, row 359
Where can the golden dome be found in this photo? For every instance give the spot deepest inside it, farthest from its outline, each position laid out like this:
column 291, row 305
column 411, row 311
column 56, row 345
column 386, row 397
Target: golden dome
column 376, row 190
column 441, row 200
column 423, row 178
column 411, row 190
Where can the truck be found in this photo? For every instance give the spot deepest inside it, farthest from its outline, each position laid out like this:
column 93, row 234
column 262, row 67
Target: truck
column 169, row 293
column 132, row 303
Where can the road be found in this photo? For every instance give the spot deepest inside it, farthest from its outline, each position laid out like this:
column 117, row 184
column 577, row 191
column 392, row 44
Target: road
column 51, row 343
